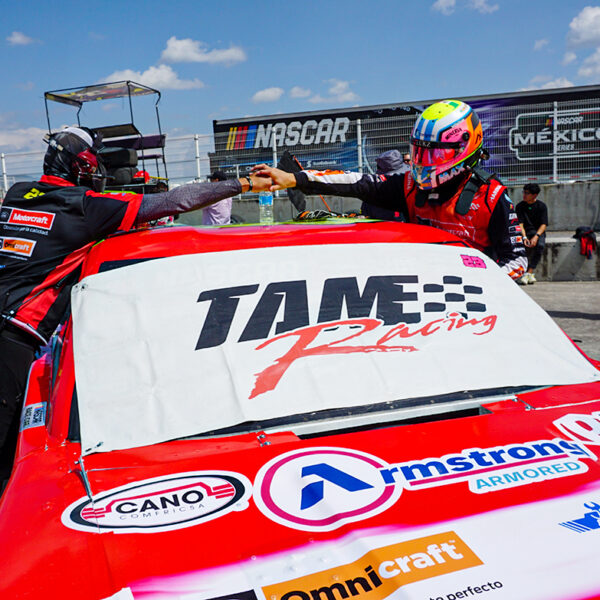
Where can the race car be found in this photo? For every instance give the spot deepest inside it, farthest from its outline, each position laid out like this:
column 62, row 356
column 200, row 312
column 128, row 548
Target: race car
column 305, row 411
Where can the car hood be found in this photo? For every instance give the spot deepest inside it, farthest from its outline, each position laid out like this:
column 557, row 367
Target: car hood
column 502, row 500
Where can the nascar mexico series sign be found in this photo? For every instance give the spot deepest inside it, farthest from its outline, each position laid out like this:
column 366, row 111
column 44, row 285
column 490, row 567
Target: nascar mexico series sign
column 199, row 342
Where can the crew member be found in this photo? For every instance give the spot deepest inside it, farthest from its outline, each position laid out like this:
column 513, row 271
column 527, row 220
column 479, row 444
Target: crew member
column 46, row 228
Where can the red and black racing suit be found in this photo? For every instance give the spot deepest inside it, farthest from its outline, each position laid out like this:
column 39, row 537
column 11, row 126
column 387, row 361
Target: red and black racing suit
column 46, row 228
column 490, row 224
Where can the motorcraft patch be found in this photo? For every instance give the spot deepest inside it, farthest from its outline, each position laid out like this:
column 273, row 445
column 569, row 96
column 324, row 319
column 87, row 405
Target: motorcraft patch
column 161, row 504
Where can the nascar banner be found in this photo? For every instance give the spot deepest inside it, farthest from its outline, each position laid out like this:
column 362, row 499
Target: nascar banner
column 184, row 345
column 539, row 134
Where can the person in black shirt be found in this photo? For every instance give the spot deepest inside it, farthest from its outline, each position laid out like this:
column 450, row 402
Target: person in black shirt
column 46, row 228
column 533, row 219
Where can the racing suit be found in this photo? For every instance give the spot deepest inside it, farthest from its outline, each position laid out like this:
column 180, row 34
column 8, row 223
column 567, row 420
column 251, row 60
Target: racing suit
column 46, row 228
column 489, row 223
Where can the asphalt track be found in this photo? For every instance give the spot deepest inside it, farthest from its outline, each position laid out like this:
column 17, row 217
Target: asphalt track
column 575, row 307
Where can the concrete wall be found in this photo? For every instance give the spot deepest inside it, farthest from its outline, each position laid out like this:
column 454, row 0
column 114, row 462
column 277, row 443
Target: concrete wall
column 569, row 204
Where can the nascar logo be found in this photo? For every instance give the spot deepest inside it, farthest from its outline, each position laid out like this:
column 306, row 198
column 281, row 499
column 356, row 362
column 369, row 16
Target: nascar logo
column 325, row 131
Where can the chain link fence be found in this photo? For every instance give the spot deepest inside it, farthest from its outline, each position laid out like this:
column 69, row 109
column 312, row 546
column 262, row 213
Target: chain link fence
column 545, row 142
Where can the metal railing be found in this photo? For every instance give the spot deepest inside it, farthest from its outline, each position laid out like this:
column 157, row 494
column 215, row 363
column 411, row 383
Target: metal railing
column 547, row 142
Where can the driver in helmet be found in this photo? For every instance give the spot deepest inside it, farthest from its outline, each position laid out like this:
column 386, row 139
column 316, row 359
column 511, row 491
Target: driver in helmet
column 46, row 227
column 445, row 187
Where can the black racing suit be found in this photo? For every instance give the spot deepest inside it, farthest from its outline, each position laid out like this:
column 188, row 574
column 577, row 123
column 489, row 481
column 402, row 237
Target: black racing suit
column 46, row 228
column 504, row 243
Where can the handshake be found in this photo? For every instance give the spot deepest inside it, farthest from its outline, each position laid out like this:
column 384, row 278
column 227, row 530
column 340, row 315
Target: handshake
column 263, row 178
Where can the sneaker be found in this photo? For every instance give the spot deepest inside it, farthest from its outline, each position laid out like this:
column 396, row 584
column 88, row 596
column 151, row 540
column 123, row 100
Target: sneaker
column 531, row 278
column 523, row 280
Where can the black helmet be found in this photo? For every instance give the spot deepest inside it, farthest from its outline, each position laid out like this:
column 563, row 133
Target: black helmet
column 72, row 155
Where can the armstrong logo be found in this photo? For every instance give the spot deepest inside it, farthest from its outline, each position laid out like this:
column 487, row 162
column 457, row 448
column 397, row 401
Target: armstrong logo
column 325, row 131
column 30, row 218
column 161, row 504
column 320, row 489
column 335, row 485
column 380, row 572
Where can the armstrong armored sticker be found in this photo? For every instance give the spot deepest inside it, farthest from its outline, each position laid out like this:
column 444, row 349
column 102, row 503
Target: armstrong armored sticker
column 320, row 489
column 161, row 504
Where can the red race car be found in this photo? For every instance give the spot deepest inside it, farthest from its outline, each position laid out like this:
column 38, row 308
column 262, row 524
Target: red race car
column 304, row 412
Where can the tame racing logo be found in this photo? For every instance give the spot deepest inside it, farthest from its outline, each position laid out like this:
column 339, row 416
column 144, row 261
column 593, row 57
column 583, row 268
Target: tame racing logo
column 325, row 131
column 400, row 302
column 321, row 489
column 161, row 504
column 381, row 571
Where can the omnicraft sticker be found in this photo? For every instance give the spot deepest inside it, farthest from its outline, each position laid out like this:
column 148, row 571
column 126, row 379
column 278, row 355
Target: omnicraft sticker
column 320, row 489
column 19, row 246
column 161, row 504
column 382, row 571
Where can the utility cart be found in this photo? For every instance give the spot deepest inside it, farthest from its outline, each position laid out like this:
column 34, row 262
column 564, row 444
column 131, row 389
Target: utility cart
column 134, row 161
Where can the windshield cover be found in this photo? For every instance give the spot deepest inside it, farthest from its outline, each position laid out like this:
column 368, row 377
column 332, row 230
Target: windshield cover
column 184, row 345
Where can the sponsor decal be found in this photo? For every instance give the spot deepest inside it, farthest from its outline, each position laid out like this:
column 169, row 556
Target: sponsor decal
column 380, row 572
column 540, row 135
column 30, row 218
column 18, row 246
column 161, row 504
column 400, row 302
column 590, row 521
column 451, row 173
column 322, row 488
column 33, row 416
column 517, row 239
column 580, row 427
column 296, row 133
column 473, row 262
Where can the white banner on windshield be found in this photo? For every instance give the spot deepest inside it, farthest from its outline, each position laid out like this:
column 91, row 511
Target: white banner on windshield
column 178, row 346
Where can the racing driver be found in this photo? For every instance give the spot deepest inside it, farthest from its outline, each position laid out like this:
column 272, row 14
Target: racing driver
column 46, row 227
column 445, row 187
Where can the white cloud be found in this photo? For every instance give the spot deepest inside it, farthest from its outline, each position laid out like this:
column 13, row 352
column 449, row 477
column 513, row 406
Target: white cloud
column 27, row 139
column 539, row 44
column 299, row 92
column 271, row 94
column 446, row 7
column 591, row 66
column 568, row 58
column 17, row 38
column 584, row 29
column 162, row 77
column 483, row 7
column 339, row 91
column 188, row 50
column 25, row 86
column 546, row 82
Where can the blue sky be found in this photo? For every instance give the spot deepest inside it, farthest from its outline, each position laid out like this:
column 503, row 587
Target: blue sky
column 228, row 59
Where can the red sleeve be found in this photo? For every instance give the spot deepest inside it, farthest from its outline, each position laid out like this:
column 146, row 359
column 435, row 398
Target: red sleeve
column 109, row 212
